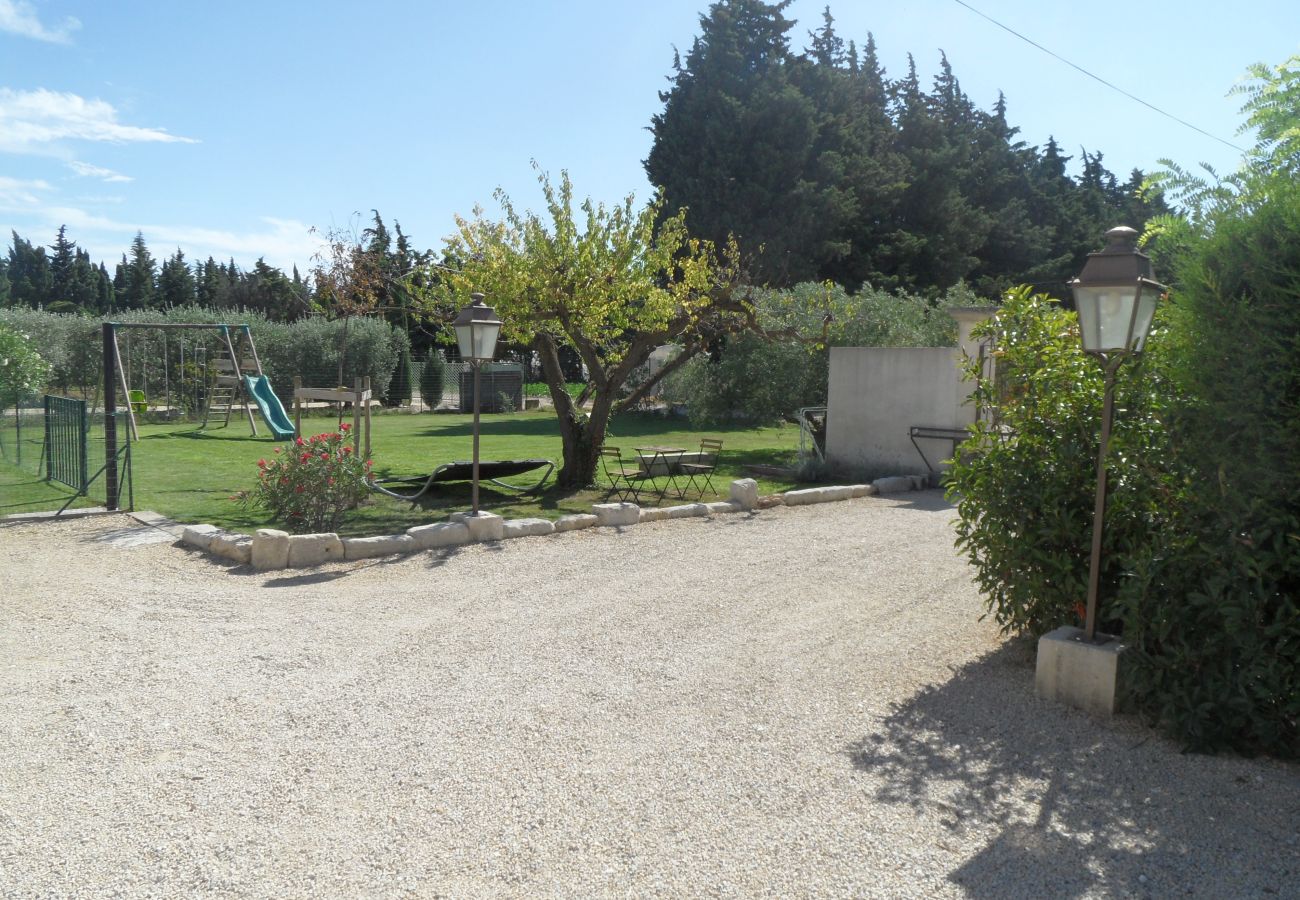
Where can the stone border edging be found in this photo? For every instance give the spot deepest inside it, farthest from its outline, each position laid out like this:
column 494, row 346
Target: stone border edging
column 272, row 549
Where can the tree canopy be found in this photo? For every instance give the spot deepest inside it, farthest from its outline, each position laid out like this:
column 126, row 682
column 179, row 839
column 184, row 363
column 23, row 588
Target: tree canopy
column 824, row 168
column 611, row 283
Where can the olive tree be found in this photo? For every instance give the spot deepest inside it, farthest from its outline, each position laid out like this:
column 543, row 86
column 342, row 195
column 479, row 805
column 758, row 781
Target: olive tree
column 612, row 283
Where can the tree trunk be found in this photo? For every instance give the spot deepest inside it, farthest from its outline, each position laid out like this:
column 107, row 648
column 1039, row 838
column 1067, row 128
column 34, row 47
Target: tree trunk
column 581, row 452
column 581, row 434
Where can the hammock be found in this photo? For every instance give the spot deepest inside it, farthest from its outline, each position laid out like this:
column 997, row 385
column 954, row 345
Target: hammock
column 488, row 470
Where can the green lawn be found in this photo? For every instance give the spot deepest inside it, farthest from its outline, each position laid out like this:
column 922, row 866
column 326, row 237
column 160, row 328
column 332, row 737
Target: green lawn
column 191, row 475
column 22, row 491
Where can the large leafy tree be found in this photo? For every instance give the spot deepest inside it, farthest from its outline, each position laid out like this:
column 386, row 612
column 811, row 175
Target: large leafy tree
column 824, row 168
column 611, row 283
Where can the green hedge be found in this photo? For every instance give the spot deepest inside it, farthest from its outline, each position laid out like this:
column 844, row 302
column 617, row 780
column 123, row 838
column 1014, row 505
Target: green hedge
column 1202, row 542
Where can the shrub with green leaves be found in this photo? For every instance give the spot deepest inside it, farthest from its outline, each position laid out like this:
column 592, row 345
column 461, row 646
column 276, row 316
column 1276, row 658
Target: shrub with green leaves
column 308, row 485
column 1213, row 612
column 433, row 377
column 756, row 379
column 1025, row 481
column 399, row 387
column 23, row 372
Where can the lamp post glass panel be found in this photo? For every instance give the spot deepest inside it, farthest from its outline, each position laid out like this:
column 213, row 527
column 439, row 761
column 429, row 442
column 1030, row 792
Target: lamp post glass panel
column 1115, row 296
column 477, row 328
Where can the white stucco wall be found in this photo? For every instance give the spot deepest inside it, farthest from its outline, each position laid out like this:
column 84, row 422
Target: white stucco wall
column 877, row 393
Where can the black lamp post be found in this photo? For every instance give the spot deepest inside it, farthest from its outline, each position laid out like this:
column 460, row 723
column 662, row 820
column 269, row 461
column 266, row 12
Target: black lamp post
column 1115, row 296
column 477, row 328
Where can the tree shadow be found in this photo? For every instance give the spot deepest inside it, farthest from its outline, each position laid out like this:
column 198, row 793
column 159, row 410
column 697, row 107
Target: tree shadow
column 929, row 500
column 1079, row 805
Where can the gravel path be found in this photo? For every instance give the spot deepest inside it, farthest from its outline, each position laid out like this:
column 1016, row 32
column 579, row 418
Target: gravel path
column 801, row 702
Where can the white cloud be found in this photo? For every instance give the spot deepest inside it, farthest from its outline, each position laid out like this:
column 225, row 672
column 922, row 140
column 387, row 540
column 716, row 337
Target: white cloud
column 16, row 192
column 33, row 120
column 89, row 171
column 18, row 17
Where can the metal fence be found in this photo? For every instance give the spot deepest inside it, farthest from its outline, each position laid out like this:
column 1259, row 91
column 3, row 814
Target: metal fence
column 56, row 461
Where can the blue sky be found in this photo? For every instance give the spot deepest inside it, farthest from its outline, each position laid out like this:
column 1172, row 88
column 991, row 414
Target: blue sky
column 231, row 129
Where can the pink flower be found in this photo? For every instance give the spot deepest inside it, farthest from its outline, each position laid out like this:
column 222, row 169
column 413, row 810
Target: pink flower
column 261, row 464
column 299, row 442
column 345, row 426
column 304, row 457
column 325, row 456
column 298, row 489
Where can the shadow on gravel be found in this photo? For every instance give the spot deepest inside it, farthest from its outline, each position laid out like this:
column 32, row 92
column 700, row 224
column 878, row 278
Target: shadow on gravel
column 931, row 500
column 300, row 580
column 1077, row 805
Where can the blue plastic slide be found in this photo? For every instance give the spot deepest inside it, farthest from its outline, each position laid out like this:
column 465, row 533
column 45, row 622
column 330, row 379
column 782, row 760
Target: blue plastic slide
column 259, row 388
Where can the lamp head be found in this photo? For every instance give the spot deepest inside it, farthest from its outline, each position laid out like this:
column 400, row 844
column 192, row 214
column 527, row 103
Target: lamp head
column 477, row 328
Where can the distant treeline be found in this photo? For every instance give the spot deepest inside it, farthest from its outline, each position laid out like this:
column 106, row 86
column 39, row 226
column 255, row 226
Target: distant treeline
column 61, row 278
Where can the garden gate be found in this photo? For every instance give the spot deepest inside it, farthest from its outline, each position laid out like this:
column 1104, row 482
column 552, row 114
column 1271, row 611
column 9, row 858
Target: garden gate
column 66, row 430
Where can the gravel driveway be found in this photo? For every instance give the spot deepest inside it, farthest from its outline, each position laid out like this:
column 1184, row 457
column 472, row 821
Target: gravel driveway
column 798, row 702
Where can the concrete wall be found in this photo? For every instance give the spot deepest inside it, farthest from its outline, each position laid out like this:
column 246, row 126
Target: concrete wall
column 877, row 393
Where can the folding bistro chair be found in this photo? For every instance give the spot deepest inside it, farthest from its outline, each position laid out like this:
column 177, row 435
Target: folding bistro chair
column 703, row 467
column 624, row 480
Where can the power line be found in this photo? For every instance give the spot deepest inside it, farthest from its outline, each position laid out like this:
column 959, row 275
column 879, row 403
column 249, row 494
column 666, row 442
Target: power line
column 1113, row 87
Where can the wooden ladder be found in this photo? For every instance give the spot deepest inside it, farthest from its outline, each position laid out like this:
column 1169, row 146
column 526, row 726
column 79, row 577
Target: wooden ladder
column 229, row 386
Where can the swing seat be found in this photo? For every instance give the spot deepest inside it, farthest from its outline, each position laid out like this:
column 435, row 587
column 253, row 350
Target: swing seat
column 139, row 405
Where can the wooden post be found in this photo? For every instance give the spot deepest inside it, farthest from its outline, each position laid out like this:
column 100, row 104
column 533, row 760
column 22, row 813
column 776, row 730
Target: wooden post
column 110, row 417
column 239, row 381
column 366, row 386
column 356, row 416
column 297, row 404
column 126, row 391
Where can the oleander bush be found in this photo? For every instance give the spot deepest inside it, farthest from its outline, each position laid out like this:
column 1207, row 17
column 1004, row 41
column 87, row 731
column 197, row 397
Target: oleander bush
column 308, row 485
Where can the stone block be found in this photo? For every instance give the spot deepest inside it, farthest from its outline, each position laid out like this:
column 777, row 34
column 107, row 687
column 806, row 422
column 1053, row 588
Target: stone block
column 314, row 549
column 199, row 536
column 270, row 549
column 722, row 507
column 616, row 513
column 232, row 546
column 485, row 526
column 516, row 528
column 818, row 495
column 770, row 500
column 379, row 545
column 893, row 484
column 744, row 492
column 1077, row 672
column 653, row 513
column 439, row 534
column 919, row 482
column 686, row 511
column 575, row 521
column 862, row 490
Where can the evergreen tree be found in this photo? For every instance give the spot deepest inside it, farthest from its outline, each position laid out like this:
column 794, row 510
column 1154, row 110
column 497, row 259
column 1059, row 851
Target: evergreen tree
column 735, row 138
column 137, row 287
column 207, row 283
column 175, row 282
column 29, row 274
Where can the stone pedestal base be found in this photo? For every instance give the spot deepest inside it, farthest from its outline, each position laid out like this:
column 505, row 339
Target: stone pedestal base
column 1078, row 673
